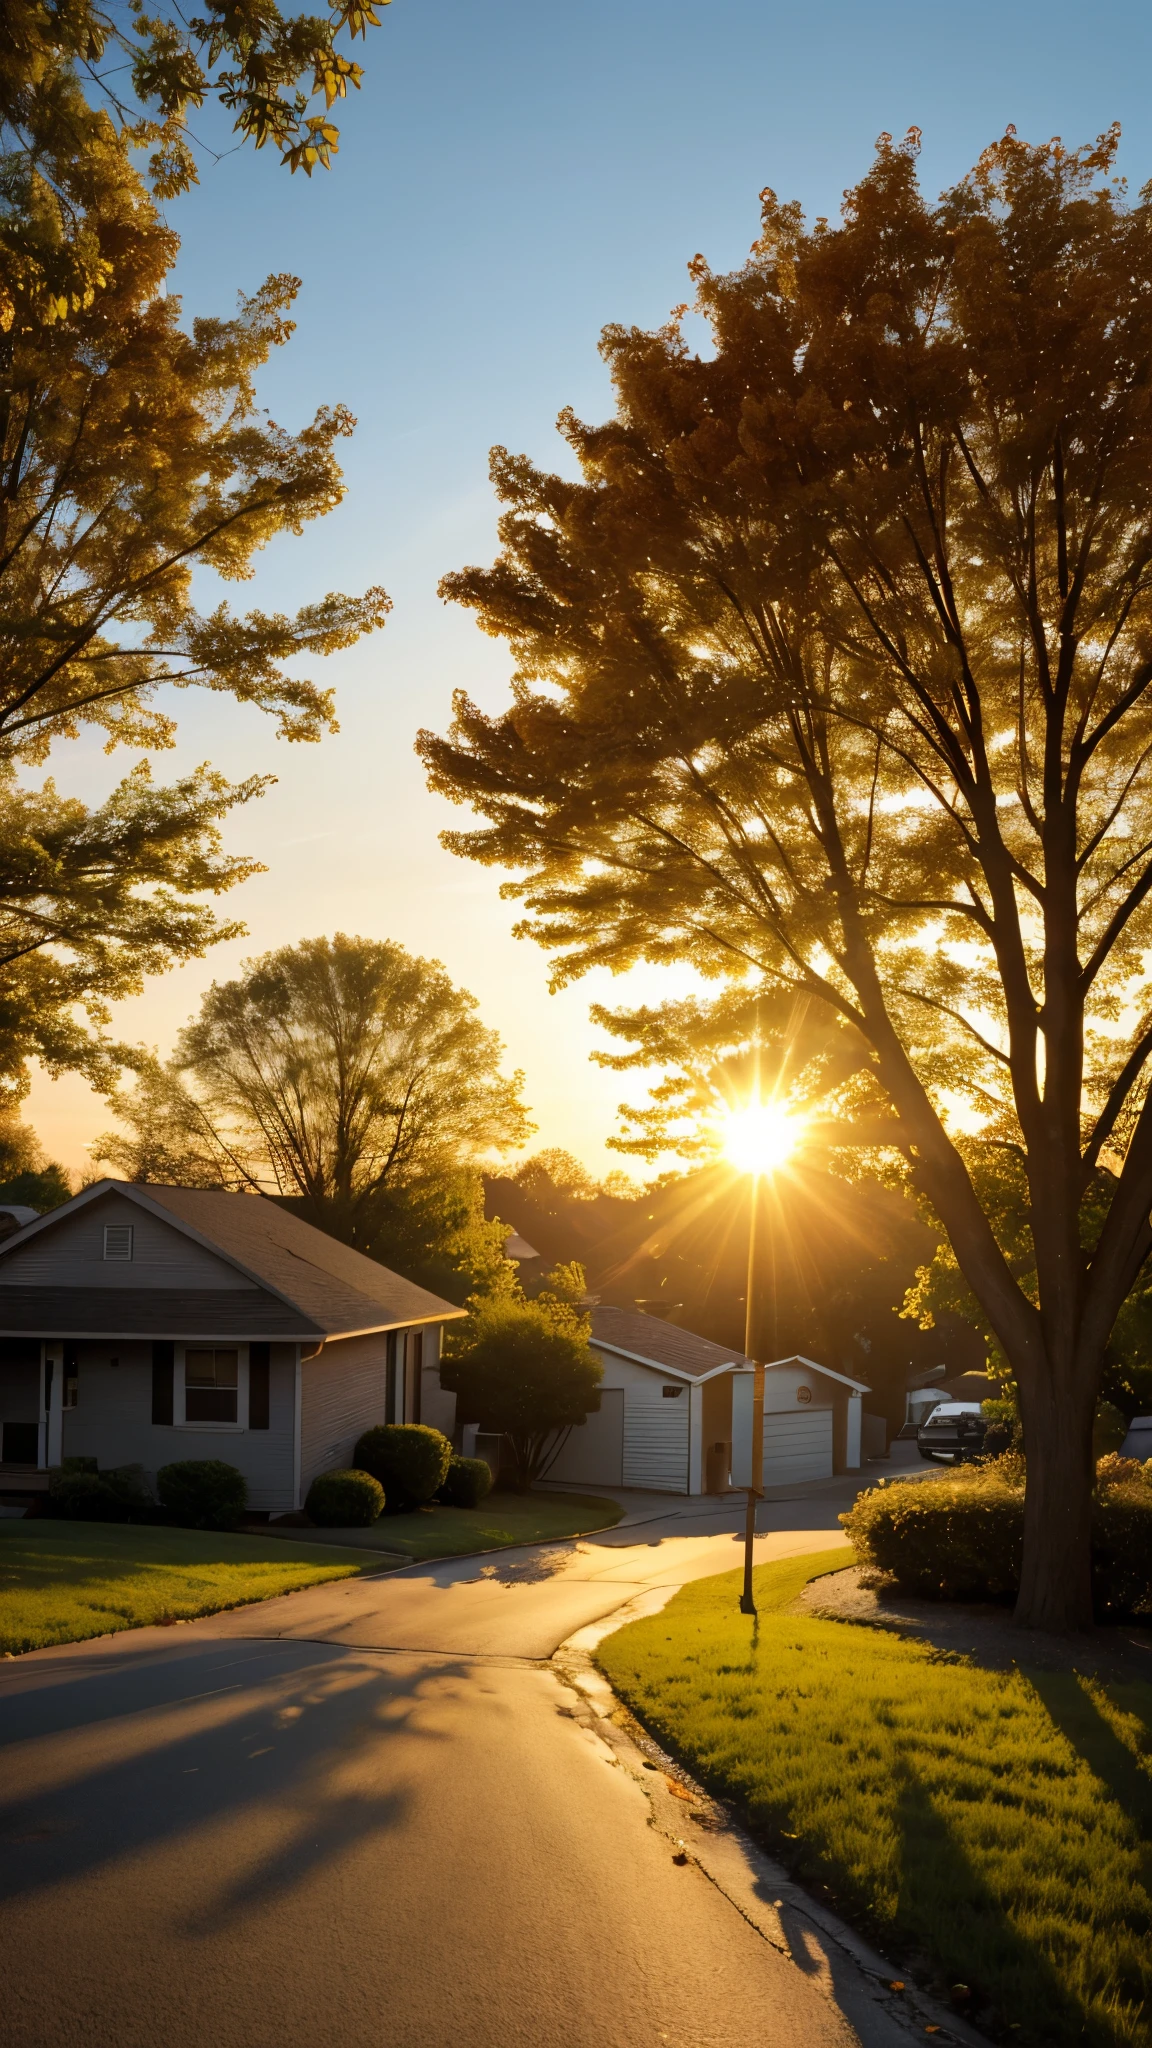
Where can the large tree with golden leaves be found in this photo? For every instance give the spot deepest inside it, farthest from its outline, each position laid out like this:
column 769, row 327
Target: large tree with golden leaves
column 133, row 453
column 834, row 677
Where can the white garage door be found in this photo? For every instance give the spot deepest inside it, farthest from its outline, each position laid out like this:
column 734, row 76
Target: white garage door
column 797, row 1446
column 656, row 1442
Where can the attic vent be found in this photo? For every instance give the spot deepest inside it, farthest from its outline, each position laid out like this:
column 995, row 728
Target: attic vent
column 118, row 1240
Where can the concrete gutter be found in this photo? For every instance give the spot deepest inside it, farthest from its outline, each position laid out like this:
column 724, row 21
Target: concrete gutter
column 883, row 2007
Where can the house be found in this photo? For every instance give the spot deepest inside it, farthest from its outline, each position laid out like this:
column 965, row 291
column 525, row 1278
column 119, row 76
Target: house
column 813, row 1422
column 141, row 1325
column 676, row 1414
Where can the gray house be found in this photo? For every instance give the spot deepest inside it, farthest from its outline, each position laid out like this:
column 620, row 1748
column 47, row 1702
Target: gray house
column 140, row 1325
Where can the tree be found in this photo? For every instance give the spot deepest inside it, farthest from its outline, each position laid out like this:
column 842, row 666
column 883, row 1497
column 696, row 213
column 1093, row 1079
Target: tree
column 64, row 60
column 345, row 1074
column 25, row 1175
column 844, row 635
column 524, row 1368
column 132, row 454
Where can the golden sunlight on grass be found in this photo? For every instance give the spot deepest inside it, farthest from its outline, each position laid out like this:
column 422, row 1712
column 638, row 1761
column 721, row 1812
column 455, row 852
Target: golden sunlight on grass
column 760, row 1137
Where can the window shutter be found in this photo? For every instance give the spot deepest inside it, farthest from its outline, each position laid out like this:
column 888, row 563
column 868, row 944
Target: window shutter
column 390, row 1376
column 258, row 1378
column 163, row 1372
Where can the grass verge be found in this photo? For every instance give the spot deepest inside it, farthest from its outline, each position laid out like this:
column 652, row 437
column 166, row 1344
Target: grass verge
column 63, row 1581
column 996, row 1824
column 500, row 1521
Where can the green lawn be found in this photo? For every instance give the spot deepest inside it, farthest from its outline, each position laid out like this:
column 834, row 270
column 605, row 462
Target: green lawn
column 62, row 1581
column 997, row 1823
column 503, row 1519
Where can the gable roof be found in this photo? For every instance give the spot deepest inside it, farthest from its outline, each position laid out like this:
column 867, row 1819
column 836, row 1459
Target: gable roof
column 842, row 1379
column 320, row 1287
column 649, row 1341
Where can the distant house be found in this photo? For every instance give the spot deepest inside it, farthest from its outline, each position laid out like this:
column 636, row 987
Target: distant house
column 676, row 1414
column 140, row 1325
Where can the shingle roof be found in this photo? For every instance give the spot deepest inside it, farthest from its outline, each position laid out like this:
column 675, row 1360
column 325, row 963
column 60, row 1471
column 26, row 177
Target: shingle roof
column 660, row 1343
column 336, row 1291
column 225, row 1312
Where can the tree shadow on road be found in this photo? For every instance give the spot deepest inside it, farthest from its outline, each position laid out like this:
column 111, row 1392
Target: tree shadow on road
column 293, row 1759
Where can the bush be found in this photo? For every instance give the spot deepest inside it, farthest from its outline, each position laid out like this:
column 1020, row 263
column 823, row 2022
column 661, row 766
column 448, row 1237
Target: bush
column 466, row 1483
column 344, row 1500
column 409, row 1459
column 1002, row 1432
column 962, row 1538
column 1122, row 1551
column 954, row 1539
column 203, row 1493
column 85, row 1497
column 79, row 1491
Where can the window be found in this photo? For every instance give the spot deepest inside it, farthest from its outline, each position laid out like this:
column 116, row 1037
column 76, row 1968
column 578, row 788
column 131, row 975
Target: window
column 71, row 1376
column 211, row 1383
column 671, row 1393
column 118, row 1240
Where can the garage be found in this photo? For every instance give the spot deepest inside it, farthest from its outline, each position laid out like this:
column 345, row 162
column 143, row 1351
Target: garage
column 656, row 1436
column 797, row 1447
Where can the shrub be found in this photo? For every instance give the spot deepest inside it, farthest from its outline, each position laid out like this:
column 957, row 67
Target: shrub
column 1113, row 1470
column 408, row 1459
column 78, row 1490
column 524, row 1368
column 466, row 1483
column 85, row 1497
column 204, row 1493
column 962, row 1538
column 954, row 1539
column 1002, row 1432
column 1122, row 1551
column 344, row 1500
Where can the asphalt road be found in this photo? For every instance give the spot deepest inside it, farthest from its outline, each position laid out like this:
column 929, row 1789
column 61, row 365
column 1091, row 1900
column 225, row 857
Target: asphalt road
column 375, row 1816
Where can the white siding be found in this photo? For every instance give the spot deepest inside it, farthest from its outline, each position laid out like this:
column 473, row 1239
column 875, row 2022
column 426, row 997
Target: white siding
column 112, row 1422
column 343, row 1394
column 656, row 1441
column 797, row 1447
column 71, row 1254
column 593, row 1453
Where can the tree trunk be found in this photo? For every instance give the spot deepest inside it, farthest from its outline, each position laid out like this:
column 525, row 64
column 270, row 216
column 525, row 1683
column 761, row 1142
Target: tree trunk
column 1056, row 1574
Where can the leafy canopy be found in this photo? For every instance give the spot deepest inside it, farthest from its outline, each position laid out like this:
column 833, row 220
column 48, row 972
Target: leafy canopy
column 524, row 1368
column 133, row 459
column 834, row 676
column 345, row 1073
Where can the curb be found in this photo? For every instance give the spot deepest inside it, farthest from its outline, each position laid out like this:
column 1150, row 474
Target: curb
column 702, row 1831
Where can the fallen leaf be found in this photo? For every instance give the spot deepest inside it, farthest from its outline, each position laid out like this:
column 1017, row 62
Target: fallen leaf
column 898, row 1985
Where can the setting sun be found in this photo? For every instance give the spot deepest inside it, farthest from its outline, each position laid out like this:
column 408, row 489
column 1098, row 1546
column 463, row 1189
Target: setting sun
column 761, row 1137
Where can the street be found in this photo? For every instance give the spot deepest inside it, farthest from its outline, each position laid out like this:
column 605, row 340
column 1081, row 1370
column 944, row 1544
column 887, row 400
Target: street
column 372, row 1813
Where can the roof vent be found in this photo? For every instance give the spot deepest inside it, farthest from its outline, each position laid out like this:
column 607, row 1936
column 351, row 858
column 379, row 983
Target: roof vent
column 117, row 1240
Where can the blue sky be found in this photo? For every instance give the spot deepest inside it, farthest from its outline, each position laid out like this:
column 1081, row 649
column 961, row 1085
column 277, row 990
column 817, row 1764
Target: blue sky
column 511, row 178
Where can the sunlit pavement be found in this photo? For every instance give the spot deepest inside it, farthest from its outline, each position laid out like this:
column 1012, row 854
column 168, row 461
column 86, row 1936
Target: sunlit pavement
column 367, row 1814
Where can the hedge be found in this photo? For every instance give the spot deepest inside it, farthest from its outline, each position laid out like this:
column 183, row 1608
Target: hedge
column 344, row 1500
column 465, row 1483
column 409, row 1459
column 204, row 1493
column 961, row 1538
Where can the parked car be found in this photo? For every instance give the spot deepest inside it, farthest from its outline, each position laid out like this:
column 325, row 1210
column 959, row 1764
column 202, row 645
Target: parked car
column 955, row 1429
column 1138, row 1442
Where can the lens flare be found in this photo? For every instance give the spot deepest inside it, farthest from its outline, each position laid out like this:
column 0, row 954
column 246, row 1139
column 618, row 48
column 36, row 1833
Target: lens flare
column 760, row 1137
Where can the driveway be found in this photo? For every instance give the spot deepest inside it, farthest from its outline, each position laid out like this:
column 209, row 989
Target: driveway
column 374, row 1815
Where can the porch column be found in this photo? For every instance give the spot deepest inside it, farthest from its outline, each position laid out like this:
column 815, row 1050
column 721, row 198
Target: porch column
column 52, row 1380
